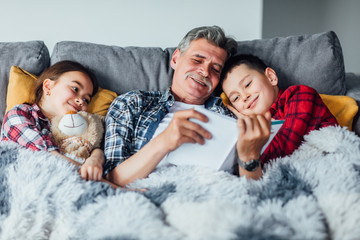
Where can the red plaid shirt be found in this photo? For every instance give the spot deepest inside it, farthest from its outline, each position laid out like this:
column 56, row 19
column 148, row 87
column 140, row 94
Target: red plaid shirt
column 303, row 111
column 27, row 126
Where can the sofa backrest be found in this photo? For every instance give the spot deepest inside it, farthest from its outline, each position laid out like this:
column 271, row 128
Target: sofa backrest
column 315, row 60
column 32, row 56
column 120, row 69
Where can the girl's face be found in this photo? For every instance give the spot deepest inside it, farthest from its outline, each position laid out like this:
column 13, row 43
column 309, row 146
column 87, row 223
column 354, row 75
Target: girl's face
column 70, row 92
column 250, row 91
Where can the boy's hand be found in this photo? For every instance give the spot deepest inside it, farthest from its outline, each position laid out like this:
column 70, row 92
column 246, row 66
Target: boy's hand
column 235, row 112
column 92, row 168
column 254, row 131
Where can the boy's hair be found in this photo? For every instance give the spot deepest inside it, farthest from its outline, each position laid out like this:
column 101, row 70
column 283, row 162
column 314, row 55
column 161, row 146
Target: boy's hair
column 214, row 34
column 251, row 61
column 59, row 68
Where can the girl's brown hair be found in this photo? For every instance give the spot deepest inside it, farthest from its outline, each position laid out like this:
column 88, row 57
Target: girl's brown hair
column 55, row 71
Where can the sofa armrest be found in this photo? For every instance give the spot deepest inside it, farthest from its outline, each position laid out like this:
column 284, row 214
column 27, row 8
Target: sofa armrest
column 352, row 82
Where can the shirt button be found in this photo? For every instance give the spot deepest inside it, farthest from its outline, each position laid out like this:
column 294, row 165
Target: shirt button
column 155, row 119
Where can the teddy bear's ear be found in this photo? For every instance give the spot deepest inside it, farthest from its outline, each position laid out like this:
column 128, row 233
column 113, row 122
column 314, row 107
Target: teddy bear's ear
column 101, row 117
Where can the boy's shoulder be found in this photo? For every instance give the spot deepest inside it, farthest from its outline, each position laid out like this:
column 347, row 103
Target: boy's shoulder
column 301, row 89
column 299, row 92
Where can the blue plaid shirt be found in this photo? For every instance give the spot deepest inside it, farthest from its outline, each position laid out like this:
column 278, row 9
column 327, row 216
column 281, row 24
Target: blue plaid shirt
column 132, row 119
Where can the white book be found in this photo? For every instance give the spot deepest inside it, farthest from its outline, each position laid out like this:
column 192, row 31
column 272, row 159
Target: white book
column 218, row 153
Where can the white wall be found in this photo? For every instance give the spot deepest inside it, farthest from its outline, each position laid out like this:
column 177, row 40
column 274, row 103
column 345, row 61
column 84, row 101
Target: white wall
column 292, row 17
column 147, row 23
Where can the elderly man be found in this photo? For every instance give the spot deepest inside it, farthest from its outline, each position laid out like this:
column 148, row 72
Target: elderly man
column 142, row 126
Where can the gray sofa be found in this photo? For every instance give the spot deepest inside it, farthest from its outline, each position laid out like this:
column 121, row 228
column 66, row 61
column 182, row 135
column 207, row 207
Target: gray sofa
column 315, row 60
column 312, row 194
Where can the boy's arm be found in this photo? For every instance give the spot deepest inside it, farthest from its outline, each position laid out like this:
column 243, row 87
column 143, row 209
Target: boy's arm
column 254, row 132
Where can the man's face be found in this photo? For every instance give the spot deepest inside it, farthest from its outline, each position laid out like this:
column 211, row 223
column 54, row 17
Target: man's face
column 196, row 71
column 250, row 91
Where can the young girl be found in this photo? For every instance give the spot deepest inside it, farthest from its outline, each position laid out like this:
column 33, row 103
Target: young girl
column 63, row 87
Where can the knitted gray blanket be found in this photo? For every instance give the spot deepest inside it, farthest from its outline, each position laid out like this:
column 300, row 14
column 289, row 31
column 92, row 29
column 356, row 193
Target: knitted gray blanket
column 312, row 194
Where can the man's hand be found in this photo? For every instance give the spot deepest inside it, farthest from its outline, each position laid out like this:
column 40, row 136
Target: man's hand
column 254, row 131
column 182, row 130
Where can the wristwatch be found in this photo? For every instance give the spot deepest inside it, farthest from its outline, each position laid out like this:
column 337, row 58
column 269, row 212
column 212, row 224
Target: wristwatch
column 249, row 166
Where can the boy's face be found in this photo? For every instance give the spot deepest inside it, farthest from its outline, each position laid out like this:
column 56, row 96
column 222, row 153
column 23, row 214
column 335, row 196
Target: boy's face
column 250, row 91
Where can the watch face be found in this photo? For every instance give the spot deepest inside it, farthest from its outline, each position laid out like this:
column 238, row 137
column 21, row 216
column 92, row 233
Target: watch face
column 252, row 165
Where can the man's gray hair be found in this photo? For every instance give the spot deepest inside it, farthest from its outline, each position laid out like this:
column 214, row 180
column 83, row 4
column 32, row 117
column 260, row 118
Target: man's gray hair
column 213, row 34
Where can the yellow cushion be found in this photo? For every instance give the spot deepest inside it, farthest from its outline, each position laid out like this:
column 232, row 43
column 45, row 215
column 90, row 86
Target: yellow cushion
column 20, row 87
column 20, row 90
column 101, row 101
column 343, row 108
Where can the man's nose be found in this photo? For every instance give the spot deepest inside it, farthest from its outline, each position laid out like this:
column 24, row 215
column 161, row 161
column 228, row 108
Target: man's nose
column 204, row 71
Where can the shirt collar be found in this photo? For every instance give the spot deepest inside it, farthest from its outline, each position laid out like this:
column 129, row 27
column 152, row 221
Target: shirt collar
column 273, row 106
column 168, row 97
column 40, row 113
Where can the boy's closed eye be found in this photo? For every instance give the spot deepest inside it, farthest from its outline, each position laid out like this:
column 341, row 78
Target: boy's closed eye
column 237, row 97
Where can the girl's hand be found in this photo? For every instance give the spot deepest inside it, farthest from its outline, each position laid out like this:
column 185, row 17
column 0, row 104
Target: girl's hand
column 92, row 168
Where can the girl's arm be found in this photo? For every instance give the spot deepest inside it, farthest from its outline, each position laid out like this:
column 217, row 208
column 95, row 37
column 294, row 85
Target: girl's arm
column 56, row 153
column 23, row 125
column 95, row 157
column 92, row 167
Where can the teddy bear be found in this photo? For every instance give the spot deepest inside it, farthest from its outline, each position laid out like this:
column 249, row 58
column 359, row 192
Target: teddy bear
column 77, row 134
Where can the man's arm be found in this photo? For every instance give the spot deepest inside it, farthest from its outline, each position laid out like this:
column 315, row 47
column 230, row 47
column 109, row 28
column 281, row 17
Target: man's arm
column 143, row 162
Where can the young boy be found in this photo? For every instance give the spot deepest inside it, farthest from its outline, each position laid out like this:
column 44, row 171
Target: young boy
column 254, row 97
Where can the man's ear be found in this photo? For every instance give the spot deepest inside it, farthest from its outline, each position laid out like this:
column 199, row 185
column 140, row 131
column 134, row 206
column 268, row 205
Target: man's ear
column 175, row 58
column 271, row 75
